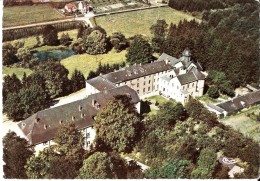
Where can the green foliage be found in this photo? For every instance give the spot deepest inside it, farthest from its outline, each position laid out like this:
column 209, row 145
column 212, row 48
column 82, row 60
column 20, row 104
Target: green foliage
column 78, row 46
column 77, row 81
column 65, row 39
column 206, row 164
column 134, row 55
column 158, row 31
column 104, row 69
column 24, row 55
column 27, row 101
column 118, row 41
column 213, row 92
column 56, row 78
column 96, row 42
column 15, row 153
column 50, row 35
column 9, row 52
column 116, row 127
column 170, row 112
column 173, row 170
column 11, row 84
column 98, row 166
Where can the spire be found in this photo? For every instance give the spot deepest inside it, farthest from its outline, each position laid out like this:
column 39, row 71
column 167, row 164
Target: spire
column 186, row 52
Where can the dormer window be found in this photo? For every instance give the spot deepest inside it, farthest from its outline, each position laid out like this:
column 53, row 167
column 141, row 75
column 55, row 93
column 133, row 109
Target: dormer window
column 80, row 108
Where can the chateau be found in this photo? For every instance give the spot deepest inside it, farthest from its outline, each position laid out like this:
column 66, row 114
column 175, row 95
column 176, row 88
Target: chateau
column 173, row 78
column 178, row 79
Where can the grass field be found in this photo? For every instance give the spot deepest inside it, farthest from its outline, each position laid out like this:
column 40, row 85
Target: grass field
column 18, row 71
column 30, row 42
column 247, row 125
column 139, row 22
column 153, row 100
column 85, row 62
column 17, row 15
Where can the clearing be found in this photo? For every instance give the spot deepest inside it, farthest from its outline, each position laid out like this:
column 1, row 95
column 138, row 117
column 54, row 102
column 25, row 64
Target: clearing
column 139, row 22
column 85, row 62
column 245, row 122
column 19, row 15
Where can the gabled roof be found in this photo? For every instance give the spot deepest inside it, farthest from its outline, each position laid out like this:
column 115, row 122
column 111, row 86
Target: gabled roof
column 70, row 6
column 240, row 102
column 191, row 76
column 165, row 56
column 212, row 106
column 42, row 126
column 101, row 83
column 136, row 71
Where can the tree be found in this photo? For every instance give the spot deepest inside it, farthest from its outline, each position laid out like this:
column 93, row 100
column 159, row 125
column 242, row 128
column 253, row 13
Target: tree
column 98, row 166
column 24, row 103
column 15, row 153
column 11, row 84
column 50, row 35
column 24, row 55
column 65, row 39
column 118, row 41
column 56, row 78
column 213, row 92
column 134, row 55
column 9, row 52
column 78, row 46
column 77, row 81
column 170, row 112
column 175, row 169
column 38, row 40
column 38, row 166
column 158, row 31
column 96, row 42
column 207, row 163
column 116, row 127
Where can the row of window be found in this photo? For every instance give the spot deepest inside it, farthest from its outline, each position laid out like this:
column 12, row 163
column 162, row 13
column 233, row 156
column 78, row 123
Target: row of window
column 143, row 90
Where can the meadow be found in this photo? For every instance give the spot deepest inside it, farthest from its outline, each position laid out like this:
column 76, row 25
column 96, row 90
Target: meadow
column 139, row 22
column 18, row 15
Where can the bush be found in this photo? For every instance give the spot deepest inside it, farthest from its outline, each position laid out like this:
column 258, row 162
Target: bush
column 213, row 92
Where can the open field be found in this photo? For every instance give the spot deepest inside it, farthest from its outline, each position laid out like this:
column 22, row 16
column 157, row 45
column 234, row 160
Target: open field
column 28, row 14
column 18, row 71
column 139, row 22
column 248, row 125
column 30, row 42
column 85, row 62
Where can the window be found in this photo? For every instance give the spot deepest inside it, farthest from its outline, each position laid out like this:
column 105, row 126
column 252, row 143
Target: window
column 188, row 85
column 45, row 143
column 144, row 90
column 88, row 135
column 144, row 77
column 157, row 79
column 137, row 85
column 137, row 79
column 148, row 88
column 137, row 91
column 149, row 82
column 144, row 82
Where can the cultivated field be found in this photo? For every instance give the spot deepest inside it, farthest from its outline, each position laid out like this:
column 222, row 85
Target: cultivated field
column 18, row 15
column 85, row 62
column 245, row 122
column 139, row 22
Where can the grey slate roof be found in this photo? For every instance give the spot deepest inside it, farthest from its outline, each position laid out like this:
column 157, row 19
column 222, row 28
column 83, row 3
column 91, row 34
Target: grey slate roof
column 136, row 71
column 165, row 56
column 213, row 106
column 240, row 102
column 101, row 84
column 80, row 112
column 191, row 76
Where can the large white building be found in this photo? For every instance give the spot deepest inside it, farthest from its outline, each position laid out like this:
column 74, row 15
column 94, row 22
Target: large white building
column 178, row 79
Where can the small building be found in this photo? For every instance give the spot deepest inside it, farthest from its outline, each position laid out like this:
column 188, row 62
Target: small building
column 70, row 8
column 236, row 104
column 83, row 7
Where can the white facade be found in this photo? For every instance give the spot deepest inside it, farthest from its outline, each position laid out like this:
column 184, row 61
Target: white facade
column 89, row 135
column 90, row 89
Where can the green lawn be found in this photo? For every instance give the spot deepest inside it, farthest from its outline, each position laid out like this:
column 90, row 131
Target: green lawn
column 30, row 42
column 248, row 125
column 18, row 71
column 139, row 22
column 153, row 100
column 85, row 62
column 17, row 15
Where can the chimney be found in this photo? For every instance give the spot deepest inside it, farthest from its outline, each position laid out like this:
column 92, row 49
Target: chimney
column 140, row 64
column 80, row 108
column 61, row 121
column 45, row 126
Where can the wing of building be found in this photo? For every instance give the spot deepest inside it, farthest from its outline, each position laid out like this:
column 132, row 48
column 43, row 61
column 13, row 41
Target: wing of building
column 42, row 126
column 174, row 78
